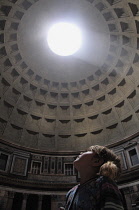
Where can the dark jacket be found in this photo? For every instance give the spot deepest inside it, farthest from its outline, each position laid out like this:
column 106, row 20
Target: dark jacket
column 100, row 193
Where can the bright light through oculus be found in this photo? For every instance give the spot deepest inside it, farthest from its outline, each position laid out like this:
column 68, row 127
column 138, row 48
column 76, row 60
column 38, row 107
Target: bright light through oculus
column 64, row 38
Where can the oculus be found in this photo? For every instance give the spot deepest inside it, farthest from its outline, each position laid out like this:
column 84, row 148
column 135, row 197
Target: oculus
column 64, row 39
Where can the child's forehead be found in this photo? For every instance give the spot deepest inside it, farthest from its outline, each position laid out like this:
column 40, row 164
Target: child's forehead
column 87, row 153
column 90, row 153
column 93, row 151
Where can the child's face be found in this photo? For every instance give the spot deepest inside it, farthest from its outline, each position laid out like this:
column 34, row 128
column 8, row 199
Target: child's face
column 84, row 159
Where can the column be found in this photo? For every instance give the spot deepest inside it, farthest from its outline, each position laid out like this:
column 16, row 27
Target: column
column 24, row 202
column 10, row 200
column 40, row 202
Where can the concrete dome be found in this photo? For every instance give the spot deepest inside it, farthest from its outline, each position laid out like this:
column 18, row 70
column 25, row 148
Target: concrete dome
column 55, row 103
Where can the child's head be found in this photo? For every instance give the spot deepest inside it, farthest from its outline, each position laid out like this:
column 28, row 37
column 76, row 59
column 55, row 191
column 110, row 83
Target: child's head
column 111, row 166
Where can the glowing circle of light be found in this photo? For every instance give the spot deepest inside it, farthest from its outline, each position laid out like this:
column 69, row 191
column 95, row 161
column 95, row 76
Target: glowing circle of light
column 64, row 38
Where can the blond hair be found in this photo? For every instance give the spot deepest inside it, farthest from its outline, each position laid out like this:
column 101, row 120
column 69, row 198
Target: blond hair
column 111, row 166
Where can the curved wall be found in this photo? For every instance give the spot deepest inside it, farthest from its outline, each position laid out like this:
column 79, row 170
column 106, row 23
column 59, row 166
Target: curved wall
column 27, row 172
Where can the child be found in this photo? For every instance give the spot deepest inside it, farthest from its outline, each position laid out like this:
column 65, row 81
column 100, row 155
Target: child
column 99, row 167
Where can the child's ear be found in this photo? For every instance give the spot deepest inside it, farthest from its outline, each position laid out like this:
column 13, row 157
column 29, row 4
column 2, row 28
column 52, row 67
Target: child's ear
column 97, row 162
